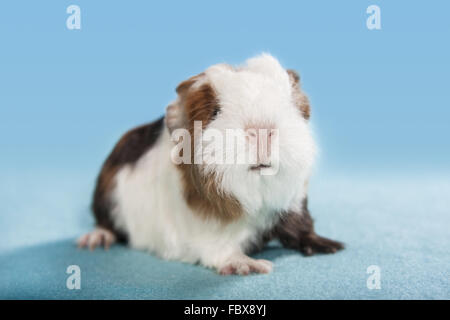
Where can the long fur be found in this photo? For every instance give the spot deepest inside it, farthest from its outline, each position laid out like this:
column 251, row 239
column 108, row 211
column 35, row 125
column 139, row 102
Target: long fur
column 174, row 210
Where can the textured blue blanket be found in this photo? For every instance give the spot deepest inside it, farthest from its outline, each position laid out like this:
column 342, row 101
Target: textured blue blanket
column 400, row 226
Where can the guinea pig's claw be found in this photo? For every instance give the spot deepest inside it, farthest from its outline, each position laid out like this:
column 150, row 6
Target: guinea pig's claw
column 95, row 238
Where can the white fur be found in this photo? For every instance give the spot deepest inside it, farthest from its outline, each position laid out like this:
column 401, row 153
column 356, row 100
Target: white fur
column 149, row 203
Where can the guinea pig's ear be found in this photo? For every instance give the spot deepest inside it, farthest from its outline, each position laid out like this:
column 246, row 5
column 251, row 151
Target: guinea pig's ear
column 294, row 77
column 299, row 97
column 176, row 116
column 197, row 101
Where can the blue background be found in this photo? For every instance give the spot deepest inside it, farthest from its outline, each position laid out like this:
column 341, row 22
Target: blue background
column 380, row 110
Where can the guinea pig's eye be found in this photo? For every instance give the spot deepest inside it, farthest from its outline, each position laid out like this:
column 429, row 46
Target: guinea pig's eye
column 215, row 111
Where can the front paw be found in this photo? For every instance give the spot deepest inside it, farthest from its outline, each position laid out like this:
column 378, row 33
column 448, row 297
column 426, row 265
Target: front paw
column 312, row 244
column 244, row 265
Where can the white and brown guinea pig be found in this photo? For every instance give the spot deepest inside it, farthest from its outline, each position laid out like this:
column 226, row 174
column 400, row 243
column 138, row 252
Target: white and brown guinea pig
column 214, row 214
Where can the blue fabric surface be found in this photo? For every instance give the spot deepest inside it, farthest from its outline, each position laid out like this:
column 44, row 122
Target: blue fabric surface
column 400, row 225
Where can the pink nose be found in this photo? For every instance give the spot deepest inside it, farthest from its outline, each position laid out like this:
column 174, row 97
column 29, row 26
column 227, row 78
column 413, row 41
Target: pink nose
column 260, row 138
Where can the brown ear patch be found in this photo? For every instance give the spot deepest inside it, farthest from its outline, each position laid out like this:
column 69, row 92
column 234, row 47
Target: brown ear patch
column 201, row 104
column 294, row 76
column 196, row 102
column 300, row 99
column 184, row 86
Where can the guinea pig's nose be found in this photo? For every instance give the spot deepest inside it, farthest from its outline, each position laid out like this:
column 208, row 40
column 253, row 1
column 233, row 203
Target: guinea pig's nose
column 260, row 139
column 255, row 129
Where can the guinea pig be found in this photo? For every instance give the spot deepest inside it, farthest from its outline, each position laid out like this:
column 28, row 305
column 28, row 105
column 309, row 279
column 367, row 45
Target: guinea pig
column 209, row 212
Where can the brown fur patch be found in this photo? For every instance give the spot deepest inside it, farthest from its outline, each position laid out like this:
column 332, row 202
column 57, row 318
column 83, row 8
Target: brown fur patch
column 299, row 96
column 202, row 195
column 295, row 230
column 201, row 191
column 200, row 105
column 184, row 86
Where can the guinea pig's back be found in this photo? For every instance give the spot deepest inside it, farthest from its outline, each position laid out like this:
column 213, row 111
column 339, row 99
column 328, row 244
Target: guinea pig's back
column 126, row 154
